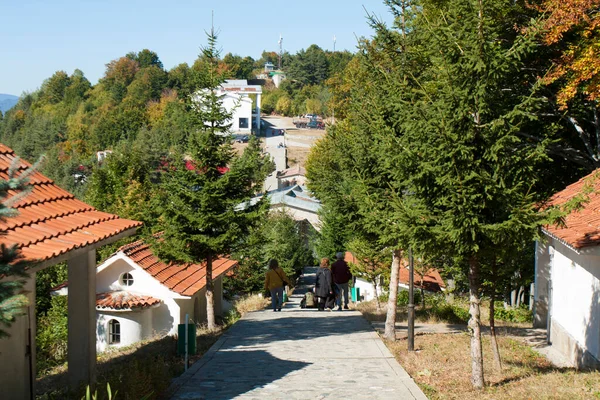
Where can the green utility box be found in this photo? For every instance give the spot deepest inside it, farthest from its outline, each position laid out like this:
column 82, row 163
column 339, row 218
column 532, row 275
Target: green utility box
column 181, row 339
column 355, row 293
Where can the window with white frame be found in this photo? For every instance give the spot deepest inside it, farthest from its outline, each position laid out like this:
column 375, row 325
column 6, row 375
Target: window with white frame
column 126, row 279
column 114, row 332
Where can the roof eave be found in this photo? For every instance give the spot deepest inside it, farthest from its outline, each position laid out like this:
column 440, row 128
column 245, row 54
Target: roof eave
column 82, row 250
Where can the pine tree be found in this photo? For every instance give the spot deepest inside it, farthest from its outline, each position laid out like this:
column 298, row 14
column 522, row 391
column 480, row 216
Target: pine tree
column 12, row 264
column 469, row 168
column 202, row 216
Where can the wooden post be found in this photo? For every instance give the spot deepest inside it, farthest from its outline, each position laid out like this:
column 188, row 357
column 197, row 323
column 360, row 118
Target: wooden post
column 411, row 301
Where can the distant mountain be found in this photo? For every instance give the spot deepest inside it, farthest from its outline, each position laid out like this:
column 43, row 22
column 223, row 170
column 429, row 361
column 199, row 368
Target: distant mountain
column 7, row 101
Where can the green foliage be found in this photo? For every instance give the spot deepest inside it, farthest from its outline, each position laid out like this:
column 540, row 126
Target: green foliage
column 52, row 335
column 512, row 314
column 277, row 236
column 437, row 306
column 205, row 199
column 288, row 243
column 373, row 261
column 45, row 280
column 12, row 264
column 236, row 67
column 310, row 66
column 402, row 299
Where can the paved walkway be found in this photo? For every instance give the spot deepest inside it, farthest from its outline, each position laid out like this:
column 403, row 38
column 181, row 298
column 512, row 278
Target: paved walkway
column 298, row 354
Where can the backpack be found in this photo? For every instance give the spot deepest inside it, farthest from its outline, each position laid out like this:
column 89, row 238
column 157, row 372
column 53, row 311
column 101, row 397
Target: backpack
column 310, row 300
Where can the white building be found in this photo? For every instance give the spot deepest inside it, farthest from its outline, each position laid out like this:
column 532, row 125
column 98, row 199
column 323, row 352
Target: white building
column 236, row 99
column 138, row 296
column 567, row 279
column 278, row 77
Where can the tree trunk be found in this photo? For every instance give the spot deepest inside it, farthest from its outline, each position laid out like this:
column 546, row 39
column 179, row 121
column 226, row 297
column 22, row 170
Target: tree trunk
column 377, row 302
column 390, row 319
column 494, row 341
column 422, row 293
column 210, row 297
column 475, row 325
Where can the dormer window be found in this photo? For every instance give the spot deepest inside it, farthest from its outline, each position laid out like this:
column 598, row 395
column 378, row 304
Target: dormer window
column 126, row 279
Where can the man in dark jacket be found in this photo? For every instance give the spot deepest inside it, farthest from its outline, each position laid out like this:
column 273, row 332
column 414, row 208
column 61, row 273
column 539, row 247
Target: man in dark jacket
column 341, row 276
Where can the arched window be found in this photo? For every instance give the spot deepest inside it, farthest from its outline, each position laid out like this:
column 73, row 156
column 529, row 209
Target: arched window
column 114, row 332
column 126, row 279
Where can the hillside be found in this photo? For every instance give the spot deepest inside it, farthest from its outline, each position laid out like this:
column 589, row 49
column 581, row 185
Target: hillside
column 7, row 101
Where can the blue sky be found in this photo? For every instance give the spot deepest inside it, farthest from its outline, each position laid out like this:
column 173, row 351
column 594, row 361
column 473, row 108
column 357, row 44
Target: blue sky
column 38, row 38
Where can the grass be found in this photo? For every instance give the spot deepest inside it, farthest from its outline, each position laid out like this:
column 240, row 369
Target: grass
column 441, row 366
column 145, row 368
column 250, row 303
column 434, row 312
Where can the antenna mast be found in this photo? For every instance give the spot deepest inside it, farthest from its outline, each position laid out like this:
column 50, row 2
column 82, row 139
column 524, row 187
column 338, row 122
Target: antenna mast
column 280, row 50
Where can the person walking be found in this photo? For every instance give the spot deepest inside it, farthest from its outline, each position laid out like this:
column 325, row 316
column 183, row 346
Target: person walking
column 341, row 276
column 275, row 280
column 323, row 285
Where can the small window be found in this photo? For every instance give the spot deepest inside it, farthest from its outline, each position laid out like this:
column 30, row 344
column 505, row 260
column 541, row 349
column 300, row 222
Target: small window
column 126, row 279
column 114, row 332
column 243, row 123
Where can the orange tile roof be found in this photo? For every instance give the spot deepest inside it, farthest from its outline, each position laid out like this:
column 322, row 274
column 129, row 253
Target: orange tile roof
column 52, row 221
column 582, row 227
column 432, row 280
column 122, row 300
column 185, row 279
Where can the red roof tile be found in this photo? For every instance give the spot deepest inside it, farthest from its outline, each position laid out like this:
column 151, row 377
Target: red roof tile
column 185, row 279
column 122, row 300
column 432, row 280
column 582, row 227
column 52, row 221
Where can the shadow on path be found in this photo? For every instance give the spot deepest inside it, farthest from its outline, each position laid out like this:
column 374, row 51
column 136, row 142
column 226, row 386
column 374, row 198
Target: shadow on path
column 236, row 372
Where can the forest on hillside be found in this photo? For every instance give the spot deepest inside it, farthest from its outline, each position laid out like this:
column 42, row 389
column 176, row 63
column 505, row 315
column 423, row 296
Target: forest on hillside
column 138, row 103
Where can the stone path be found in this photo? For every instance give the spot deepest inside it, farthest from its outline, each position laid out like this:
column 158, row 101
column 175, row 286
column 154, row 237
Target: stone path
column 298, row 354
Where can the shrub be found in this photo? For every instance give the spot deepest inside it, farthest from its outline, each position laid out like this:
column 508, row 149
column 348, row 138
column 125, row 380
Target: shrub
column 437, row 307
column 402, row 299
column 52, row 335
column 512, row 314
column 253, row 302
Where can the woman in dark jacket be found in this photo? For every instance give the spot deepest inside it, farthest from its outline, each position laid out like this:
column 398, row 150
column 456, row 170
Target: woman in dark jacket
column 323, row 284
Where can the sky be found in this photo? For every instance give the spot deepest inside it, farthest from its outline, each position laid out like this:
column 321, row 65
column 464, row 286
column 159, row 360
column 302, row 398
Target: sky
column 38, row 38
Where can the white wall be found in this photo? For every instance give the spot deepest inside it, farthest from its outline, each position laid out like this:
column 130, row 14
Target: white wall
column 242, row 108
column 366, row 289
column 107, row 279
column 300, row 215
column 135, row 326
column 575, row 296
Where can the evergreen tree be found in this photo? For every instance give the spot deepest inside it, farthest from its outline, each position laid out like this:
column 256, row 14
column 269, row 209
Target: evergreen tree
column 203, row 216
column 12, row 264
column 469, row 170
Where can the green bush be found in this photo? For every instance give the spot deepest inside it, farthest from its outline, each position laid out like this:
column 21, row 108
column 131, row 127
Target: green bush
column 454, row 313
column 52, row 335
column 402, row 299
column 512, row 314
